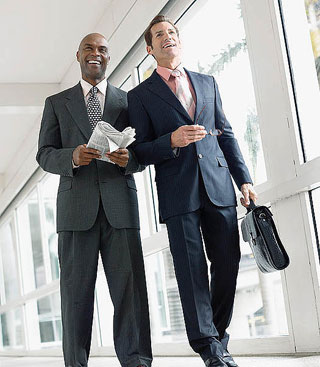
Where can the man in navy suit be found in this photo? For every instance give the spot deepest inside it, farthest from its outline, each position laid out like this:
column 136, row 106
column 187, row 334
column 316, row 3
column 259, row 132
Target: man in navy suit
column 181, row 129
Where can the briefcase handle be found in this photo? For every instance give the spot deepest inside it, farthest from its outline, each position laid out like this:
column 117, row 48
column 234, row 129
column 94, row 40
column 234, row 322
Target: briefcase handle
column 251, row 206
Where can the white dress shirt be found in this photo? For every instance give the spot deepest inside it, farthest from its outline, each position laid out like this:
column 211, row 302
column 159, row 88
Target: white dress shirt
column 102, row 90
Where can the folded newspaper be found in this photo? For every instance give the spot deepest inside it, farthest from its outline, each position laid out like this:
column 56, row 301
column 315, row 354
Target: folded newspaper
column 106, row 138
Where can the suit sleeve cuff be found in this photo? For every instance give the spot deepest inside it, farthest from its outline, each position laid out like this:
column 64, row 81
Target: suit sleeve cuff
column 164, row 147
column 132, row 165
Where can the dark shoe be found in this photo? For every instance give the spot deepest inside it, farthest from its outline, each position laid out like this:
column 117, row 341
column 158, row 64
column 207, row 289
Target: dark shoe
column 228, row 359
column 215, row 362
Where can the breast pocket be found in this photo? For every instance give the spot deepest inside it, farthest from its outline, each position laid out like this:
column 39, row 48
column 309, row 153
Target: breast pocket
column 222, row 162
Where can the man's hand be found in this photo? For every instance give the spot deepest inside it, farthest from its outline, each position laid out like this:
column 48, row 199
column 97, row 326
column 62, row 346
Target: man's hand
column 248, row 193
column 82, row 156
column 187, row 134
column 119, row 157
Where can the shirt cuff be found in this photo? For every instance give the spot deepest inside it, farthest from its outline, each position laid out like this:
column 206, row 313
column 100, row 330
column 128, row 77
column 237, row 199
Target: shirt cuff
column 74, row 165
column 176, row 151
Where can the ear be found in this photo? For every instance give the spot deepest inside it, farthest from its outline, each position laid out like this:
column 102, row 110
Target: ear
column 150, row 50
column 77, row 54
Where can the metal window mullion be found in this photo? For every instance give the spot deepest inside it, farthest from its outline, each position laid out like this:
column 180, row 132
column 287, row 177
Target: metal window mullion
column 135, row 77
column 15, row 235
column 165, row 292
column 26, row 336
column 2, row 289
column 44, row 239
column 315, row 224
column 37, row 293
column 149, row 201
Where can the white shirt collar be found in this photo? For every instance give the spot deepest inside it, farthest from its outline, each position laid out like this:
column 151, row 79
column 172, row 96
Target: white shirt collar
column 102, row 86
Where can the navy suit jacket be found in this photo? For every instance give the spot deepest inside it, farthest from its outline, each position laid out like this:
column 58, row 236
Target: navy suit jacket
column 155, row 112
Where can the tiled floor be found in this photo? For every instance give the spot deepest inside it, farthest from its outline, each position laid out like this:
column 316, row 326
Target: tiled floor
column 311, row 361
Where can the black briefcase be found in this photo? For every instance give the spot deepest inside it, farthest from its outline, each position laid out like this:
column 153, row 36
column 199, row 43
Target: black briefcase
column 259, row 230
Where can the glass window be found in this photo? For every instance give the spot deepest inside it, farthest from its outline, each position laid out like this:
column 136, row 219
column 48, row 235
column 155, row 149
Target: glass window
column 167, row 322
column 48, row 189
column 49, row 317
column 104, row 311
column 127, row 84
column 146, row 68
column 259, row 308
column 30, row 236
column 146, row 210
column 302, row 26
column 214, row 43
column 313, row 17
column 11, row 326
column 9, row 262
column 259, row 304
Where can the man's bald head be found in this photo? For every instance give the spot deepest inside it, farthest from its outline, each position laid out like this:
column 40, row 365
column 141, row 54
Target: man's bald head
column 90, row 36
column 93, row 56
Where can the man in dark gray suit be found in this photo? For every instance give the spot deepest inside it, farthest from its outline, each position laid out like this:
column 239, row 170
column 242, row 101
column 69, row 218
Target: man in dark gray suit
column 97, row 212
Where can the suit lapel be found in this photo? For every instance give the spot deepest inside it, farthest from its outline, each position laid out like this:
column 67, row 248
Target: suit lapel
column 78, row 110
column 197, row 83
column 113, row 105
column 157, row 86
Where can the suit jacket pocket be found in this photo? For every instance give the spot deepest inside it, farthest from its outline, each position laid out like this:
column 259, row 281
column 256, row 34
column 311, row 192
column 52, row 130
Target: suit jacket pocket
column 222, row 162
column 65, row 185
column 163, row 172
column 131, row 184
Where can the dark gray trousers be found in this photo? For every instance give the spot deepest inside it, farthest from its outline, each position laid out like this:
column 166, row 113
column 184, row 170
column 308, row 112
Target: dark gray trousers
column 122, row 259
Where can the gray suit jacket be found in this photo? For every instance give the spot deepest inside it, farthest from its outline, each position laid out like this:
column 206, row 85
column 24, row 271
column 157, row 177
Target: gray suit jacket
column 64, row 126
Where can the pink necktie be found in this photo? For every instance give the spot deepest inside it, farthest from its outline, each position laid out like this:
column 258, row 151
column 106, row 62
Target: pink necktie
column 183, row 92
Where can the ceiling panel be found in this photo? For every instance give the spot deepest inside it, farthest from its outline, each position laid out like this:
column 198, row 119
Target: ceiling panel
column 15, row 129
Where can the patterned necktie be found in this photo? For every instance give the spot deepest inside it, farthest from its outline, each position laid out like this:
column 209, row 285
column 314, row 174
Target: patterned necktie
column 94, row 108
column 183, row 92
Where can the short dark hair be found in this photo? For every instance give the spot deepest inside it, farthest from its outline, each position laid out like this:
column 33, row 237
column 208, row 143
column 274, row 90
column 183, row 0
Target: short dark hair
column 158, row 19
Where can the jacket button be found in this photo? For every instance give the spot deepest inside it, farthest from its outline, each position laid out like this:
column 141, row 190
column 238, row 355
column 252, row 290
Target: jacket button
column 200, row 155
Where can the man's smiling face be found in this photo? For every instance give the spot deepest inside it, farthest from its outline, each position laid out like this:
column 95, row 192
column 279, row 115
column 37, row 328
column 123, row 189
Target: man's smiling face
column 93, row 56
column 166, row 44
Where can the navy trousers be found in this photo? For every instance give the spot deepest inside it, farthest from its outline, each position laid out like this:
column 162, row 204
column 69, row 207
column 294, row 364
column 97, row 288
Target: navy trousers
column 207, row 307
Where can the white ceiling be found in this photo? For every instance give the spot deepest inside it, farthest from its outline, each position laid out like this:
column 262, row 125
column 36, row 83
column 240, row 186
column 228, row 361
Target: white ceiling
column 38, row 41
column 39, row 38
